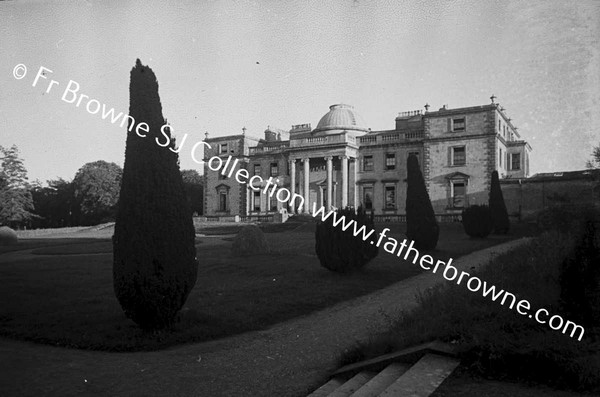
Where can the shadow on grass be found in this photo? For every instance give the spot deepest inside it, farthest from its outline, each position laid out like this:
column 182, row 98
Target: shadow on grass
column 68, row 300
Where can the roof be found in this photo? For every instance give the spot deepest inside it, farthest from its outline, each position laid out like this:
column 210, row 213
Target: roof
column 341, row 117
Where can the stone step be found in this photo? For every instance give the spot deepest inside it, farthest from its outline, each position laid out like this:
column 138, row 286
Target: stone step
column 423, row 378
column 353, row 384
column 328, row 387
column 382, row 380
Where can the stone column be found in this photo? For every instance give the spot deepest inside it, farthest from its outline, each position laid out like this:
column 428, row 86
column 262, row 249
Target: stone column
column 306, row 184
column 293, row 179
column 344, row 181
column 355, row 183
column 329, row 181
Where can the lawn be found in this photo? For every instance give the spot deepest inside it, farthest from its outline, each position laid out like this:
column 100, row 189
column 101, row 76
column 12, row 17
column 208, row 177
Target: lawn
column 63, row 294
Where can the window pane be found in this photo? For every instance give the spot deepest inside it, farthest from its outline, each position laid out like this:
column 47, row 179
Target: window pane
column 459, row 194
column 256, row 201
column 274, row 169
column 368, row 163
column 516, row 161
column 390, row 161
column 368, row 197
column 390, row 197
column 256, row 169
column 223, row 148
column 223, row 202
column 458, row 124
column 458, row 154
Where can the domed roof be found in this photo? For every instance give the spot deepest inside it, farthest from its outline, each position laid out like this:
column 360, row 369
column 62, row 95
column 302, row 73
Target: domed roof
column 341, row 117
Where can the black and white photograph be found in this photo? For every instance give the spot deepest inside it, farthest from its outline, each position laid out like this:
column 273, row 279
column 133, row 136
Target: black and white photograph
column 300, row 198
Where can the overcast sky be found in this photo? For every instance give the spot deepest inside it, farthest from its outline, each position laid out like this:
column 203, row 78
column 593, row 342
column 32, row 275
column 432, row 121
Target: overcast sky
column 224, row 65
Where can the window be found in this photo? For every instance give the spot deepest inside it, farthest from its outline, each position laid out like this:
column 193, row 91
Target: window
column 256, row 203
column 274, row 169
column 500, row 158
column 458, row 124
column 273, row 203
column 223, row 201
column 515, row 163
column 368, row 163
column 459, row 191
column 222, row 148
column 390, row 197
column 390, row 161
column 459, row 155
column 257, row 169
column 368, row 197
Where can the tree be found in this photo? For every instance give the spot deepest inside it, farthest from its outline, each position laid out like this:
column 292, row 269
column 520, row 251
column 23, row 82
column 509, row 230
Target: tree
column 498, row 207
column 421, row 225
column 594, row 162
column 96, row 188
column 154, row 256
column 55, row 204
column 16, row 203
column 193, row 184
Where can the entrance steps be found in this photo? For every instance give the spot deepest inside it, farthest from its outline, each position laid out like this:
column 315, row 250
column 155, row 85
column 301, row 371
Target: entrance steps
column 414, row 372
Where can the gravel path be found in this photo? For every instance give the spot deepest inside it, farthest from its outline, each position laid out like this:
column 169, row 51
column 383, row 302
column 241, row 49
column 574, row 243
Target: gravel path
column 289, row 359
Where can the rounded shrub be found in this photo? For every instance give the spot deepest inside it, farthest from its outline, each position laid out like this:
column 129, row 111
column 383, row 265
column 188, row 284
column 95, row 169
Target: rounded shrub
column 8, row 236
column 477, row 221
column 339, row 250
column 250, row 240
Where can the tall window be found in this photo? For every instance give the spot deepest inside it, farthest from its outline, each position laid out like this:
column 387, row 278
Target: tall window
column 390, row 197
column 223, row 148
column 223, row 201
column 274, row 169
column 458, row 124
column 459, row 155
column 459, row 191
column 257, row 169
column 515, row 161
column 368, row 197
column 256, row 200
column 368, row 163
column 500, row 158
column 390, row 161
column 273, row 203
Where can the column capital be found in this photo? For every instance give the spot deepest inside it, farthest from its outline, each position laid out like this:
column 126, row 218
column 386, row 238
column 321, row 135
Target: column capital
column 343, row 157
column 306, row 160
column 328, row 158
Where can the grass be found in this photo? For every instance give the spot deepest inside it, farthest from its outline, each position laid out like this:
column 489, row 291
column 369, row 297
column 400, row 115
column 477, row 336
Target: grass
column 495, row 340
column 63, row 299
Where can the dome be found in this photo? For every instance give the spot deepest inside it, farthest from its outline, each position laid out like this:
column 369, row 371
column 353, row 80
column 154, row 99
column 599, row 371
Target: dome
column 341, row 117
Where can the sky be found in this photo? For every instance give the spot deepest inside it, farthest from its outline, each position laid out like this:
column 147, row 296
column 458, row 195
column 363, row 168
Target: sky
column 225, row 65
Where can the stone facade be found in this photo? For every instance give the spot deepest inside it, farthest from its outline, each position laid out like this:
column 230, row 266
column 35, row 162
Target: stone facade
column 342, row 162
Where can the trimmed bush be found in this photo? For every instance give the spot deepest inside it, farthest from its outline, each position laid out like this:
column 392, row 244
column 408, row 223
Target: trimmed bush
column 154, row 267
column 339, row 250
column 421, row 225
column 8, row 236
column 250, row 240
column 498, row 207
column 477, row 220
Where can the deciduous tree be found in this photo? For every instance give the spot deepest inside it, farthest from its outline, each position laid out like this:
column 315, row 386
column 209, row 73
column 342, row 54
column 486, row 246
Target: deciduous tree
column 16, row 203
column 96, row 187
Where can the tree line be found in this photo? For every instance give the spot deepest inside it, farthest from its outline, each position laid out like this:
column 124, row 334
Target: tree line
column 90, row 198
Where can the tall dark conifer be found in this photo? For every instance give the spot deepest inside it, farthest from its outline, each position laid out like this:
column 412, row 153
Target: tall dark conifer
column 497, row 207
column 421, row 226
column 155, row 265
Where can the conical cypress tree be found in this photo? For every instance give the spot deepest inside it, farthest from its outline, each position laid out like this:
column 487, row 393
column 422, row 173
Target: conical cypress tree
column 497, row 207
column 154, row 265
column 421, row 226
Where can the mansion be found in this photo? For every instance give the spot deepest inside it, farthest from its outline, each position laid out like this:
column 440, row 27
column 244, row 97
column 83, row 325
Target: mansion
column 342, row 162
